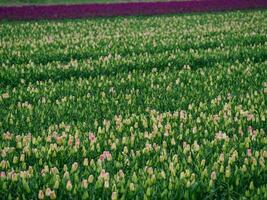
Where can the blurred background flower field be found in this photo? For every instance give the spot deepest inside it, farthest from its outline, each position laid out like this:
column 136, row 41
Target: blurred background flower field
column 44, row 2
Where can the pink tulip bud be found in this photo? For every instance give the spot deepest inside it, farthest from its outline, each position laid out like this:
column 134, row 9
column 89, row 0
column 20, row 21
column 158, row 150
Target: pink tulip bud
column 249, row 152
column 77, row 142
column 92, row 138
column 213, row 176
column 69, row 185
column 41, row 195
column 70, row 141
column 102, row 157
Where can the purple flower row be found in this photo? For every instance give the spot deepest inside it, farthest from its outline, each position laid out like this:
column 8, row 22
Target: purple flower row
column 124, row 9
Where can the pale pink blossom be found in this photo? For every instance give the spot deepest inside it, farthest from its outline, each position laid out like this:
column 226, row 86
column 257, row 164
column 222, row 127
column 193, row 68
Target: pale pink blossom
column 48, row 192
column 92, row 138
column 182, row 114
column 105, row 155
column 74, row 166
column 114, row 196
column 221, row 158
column 77, row 142
column 254, row 134
column 250, row 129
column 241, row 132
column 249, row 152
column 221, row 136
column 250, row 117
column 59, row 139
column 104, row 175
column 216, row 118
column 109, row 157
column 102, row 157
column 156, row 147
column 70, row 141
column 3, row 174
column 41, row 195
column 5, row 95
column 69, row 185
column 148, row 147
column 121, row 173
column 213, row 176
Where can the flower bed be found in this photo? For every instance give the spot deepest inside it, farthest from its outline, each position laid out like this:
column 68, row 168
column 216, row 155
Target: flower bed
column 169, row 107
column 124, row 9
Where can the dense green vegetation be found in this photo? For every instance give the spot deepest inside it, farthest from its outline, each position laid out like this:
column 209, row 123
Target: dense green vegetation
column 169, row 107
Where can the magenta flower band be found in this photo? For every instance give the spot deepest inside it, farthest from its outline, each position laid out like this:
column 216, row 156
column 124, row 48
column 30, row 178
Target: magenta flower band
column 36, row 12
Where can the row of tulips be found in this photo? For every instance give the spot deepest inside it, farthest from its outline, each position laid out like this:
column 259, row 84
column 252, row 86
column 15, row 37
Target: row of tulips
column 35, row 12
column 169, row 107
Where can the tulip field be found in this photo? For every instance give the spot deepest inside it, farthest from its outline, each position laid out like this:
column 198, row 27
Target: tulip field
column 159, row 107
